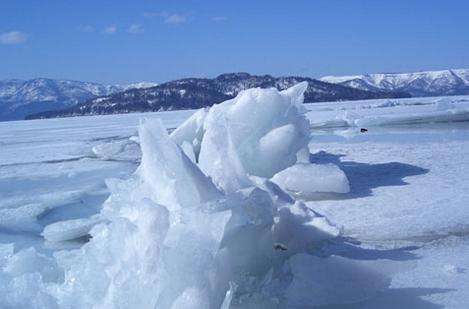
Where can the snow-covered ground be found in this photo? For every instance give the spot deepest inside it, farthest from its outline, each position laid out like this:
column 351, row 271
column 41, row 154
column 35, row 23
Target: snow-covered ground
column 407, row 209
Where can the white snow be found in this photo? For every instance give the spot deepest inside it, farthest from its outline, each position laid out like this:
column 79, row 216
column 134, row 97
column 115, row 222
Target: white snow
column 415, row 83
column 138, row 85
column 91, row 221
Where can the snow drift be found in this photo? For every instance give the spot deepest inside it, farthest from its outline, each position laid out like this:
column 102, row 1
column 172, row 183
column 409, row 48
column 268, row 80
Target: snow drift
column 201, row 224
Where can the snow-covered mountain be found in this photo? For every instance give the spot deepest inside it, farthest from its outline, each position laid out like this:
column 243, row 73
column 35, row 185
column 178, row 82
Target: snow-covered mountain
column 19, row 98
column 191, row 93
column 139, row 85
column 430, row 83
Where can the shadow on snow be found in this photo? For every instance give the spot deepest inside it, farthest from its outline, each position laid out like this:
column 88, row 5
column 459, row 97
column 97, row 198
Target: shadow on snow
column 364, row 177
column 403, row 298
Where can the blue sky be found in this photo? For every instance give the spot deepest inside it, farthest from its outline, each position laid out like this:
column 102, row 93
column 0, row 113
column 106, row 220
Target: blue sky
column 126, row 41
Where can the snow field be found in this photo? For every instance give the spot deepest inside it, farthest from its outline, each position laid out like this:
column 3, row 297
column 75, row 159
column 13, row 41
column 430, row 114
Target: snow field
column 210, row 220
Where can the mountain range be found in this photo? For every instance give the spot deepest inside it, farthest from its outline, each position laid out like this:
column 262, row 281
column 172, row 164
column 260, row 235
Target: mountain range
column 19, row 98
column 44, row 98
column 418, row 84
column 192, row 93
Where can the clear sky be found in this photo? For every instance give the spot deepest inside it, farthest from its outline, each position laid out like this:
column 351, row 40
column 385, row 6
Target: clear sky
column 116, row 41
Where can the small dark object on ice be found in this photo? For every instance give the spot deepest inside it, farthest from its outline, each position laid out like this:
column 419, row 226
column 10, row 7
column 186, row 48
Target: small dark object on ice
column 363, row 130
column 279, row 246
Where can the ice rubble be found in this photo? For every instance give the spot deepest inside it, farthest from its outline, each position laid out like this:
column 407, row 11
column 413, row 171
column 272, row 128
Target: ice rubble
column 201, row 225
column 395, row 113
column 126, row 149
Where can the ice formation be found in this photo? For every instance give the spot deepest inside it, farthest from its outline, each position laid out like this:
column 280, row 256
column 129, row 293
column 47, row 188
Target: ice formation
column 69, row 229
column 307, row 179
column 117, row 150
column 201, row 225
column 263, row 130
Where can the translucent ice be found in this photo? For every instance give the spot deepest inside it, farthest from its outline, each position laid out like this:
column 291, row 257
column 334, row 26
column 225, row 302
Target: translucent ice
column 267, row 128
column 175, row 179
column 191, row 131
column 307, row 178
column 219, row 157
column 69, row 230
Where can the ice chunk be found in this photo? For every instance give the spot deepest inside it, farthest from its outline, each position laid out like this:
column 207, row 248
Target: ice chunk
column 266, row 128
column 192, row 298
column 30, row 261
column 191, row 131
column 246, row 252
column 119, row 267
column 219, row 159
column 107, row 150
column 276, row 147
column 146, row 254
column 300, row 229
column 189, row 257
column 23, row 218
column 307, row 179
column 175, row 180
column 279, row 196
column 24, row 277
column 188, row 151
column 117, row 150
column 70, row 229
column 25, row 291
column 296, row 93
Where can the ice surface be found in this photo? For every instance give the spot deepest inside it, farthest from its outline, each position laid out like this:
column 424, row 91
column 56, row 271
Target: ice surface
column 391, row 112
column 322, row 281
column 399, row 177
column 250, row 244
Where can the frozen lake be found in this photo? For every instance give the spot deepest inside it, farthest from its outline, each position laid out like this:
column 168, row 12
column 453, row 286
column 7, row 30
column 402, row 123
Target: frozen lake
column 409, row 185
